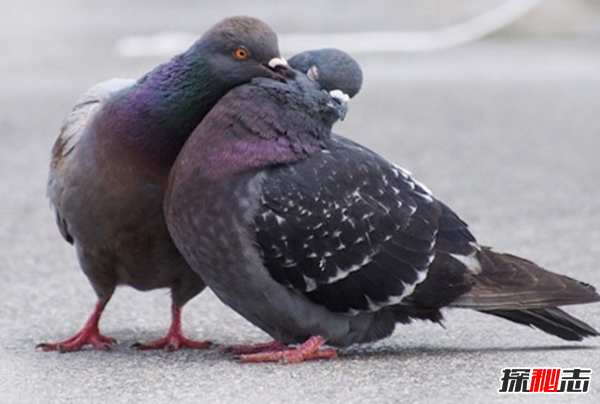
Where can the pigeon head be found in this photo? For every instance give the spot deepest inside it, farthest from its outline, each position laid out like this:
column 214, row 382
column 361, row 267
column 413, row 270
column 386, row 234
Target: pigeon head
column 172, row 99
column 304, row 95
column 332, row 68
column 293, row 111
column 238, row 49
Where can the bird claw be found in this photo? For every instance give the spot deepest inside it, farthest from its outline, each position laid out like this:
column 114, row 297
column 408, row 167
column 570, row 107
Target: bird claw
column 78, row 341
column 309, row 350
column 287, row 357
column 239, row 350
column 174, row 340
column 172, row 343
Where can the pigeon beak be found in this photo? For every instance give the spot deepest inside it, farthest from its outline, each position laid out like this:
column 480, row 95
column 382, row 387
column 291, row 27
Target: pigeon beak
column 279, row 61
column 313, row 73
column 279, row 68
column 341, row 99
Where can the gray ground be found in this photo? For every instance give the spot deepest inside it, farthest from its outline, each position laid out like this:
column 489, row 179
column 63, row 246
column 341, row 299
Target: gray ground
column 506, row 131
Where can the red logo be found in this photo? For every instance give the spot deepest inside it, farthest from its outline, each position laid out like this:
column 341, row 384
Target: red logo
column 545, row 380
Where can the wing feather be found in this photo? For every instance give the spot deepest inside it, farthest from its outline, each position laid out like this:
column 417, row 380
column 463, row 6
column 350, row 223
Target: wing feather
column 71, row 132
column 350, row 230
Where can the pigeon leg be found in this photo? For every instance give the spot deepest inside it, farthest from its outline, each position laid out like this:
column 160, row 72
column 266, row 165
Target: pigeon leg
column 273, row 346
column 309, row 350
column 88, row 335
column 174, row 339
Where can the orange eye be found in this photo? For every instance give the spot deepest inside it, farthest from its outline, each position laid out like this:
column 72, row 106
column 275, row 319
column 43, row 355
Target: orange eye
column 241, row 53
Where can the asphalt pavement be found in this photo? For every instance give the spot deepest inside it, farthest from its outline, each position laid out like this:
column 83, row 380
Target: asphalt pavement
column 505, row 130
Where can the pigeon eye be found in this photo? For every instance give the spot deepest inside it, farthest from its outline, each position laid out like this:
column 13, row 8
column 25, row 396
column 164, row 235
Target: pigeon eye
column 241, row 53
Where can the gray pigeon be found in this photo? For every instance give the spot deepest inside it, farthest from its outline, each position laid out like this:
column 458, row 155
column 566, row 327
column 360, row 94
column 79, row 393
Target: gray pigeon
column 111, row 161
column 318, row 240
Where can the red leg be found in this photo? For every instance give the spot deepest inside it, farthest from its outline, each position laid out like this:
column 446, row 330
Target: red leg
column 174, row 339
column 307, row 351
column 88, row 335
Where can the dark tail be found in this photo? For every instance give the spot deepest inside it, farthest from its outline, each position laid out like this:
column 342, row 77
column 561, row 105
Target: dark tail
column 553, row 321
column 518, row 290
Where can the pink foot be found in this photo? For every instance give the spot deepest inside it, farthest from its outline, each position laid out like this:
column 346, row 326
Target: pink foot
column 175, row 339
column 89, row 335
column 273, row 346
column 173, row 342
column 305, row 352
column 79, row 340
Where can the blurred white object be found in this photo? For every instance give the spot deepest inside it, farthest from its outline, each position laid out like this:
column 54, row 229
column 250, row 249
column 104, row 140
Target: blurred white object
column 169, row 43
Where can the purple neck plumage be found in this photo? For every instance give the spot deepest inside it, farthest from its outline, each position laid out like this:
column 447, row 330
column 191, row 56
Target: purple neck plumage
column 220, row 157
column 255, row 127
column 154, row 118
column 240, row 136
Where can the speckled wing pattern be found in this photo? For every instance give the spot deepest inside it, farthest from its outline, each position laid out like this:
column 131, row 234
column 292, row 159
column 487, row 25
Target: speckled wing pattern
column 351, row 231
column 71, row 132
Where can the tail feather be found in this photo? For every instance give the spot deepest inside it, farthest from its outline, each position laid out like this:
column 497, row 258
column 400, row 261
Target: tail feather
column 507, row 282
column 520, row 291
column 553, row 321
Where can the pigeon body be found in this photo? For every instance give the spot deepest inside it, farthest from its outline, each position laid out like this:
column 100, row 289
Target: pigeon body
column 316, row 239
column 231, row 162
column 111, row 161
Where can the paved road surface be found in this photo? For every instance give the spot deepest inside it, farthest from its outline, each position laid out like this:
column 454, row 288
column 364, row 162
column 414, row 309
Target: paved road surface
column 506, row 131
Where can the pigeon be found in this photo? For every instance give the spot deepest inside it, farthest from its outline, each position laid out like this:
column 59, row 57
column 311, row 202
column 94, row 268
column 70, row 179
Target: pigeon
column 110, row 165
column 319, row 241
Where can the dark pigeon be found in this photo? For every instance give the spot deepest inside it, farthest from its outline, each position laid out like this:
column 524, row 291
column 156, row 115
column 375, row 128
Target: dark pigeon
column 318, row 240
column 111, row 161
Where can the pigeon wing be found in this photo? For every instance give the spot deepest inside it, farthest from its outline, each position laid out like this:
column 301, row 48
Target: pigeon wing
column 71, row 132
column 351, row 231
